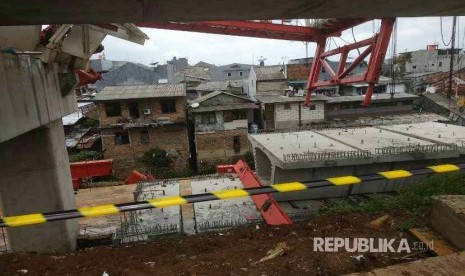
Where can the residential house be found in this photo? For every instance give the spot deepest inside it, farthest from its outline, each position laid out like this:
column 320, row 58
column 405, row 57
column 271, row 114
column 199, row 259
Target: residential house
column 298, row 71
column 439, row 83
column 193, row 76
column 384, row 103
column 235, row 71
column 267, row 80
column 236, row 87
column 136, row 118
column 221, row 122
column 132, row 74
column 431, row 59
column 385, row 85
column 80, row 133
column 281, row 111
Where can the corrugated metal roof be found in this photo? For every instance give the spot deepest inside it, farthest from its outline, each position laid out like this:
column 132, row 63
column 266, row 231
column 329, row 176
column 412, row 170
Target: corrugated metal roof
column 141, row 92
column 275, row 72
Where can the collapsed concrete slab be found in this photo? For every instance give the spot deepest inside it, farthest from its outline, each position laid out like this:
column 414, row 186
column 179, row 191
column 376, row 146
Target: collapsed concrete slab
column 316, row 154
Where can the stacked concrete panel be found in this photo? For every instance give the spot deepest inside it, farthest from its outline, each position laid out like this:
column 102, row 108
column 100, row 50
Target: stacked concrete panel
column 316, row 154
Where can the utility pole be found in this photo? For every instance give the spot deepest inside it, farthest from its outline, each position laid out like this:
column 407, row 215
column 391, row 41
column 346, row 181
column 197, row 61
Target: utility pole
column 452, row 50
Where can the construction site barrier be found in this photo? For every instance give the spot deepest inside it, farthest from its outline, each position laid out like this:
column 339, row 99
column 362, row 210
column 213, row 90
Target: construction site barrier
column 112, row 209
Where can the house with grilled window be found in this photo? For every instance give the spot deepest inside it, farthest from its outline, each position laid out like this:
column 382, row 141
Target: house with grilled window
column 267, row 80
column 234, row 71
column 283, row 111
column 136, row 118
column 221, row 121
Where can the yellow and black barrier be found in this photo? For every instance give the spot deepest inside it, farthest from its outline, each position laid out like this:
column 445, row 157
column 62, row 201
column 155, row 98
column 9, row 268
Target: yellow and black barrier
column 111, row 209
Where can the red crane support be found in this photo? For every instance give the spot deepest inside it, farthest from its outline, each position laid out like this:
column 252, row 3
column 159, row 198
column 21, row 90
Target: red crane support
column 377, row 45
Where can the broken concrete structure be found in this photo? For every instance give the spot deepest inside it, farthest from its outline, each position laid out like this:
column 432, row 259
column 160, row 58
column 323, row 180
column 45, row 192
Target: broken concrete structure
column 190, row 218
column 449, row 210
column 37, row 81
column 316, row 154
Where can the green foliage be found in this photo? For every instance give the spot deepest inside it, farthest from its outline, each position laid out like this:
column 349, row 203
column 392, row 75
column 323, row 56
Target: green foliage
column 249, row 160
column 406, row 224
column 415, row 199
column 157, row 161
column 89, row 122
column 84, row 155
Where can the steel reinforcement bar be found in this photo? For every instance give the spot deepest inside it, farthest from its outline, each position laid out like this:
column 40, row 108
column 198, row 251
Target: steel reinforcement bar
column 111, row 209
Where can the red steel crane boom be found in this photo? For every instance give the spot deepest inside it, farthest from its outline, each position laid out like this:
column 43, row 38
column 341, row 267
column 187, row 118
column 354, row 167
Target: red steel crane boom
column 376, row 45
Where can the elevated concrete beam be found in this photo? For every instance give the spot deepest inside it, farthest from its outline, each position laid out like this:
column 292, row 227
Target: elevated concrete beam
column 29, row 95
column 36, row 12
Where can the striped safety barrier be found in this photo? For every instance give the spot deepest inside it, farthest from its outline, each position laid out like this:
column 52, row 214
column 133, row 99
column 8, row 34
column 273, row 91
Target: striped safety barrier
column 111, row 209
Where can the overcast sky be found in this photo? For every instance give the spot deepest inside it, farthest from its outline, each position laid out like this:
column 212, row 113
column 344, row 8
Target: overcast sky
column 412, row 34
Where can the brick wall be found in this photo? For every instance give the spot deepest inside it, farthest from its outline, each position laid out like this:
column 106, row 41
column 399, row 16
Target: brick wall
column 298, row 71
column 153, row 104
column 172, row 138
column 267, row 86
column 218, row 147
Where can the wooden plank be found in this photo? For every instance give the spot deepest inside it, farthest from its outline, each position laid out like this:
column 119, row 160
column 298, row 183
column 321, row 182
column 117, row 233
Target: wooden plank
column 440, row 246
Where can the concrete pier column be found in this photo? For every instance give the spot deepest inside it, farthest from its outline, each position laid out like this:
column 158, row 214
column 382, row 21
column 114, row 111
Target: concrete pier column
column 35, row 177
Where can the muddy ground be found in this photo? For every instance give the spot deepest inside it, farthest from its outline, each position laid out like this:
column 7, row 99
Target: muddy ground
column 232, row 252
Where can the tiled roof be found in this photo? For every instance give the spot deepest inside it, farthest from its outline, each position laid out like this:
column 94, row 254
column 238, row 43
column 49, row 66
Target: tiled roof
column 141, row 92
column 270, row 73
column 219, row 85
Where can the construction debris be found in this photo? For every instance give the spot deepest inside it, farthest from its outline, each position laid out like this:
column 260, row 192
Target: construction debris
column 279, row 250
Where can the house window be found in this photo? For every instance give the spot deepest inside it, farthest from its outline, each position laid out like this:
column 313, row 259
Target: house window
column 229, row 74
column 113, row 109
column 168, row 106
column 414, row 67
column 239, row 115
column 121, row 138
column 241, row 73
column 287, row 106
column 144, row 136
column 312, row 107
column 210, row 142
column 440, row 64
column 209, row 118
column 237, row 144
column 133, row 110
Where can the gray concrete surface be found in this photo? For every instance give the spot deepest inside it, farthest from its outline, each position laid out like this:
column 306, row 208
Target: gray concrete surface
column 29, row 95
column 35, row 177
column 447, row 217
column 27, row 12
column 221, row 214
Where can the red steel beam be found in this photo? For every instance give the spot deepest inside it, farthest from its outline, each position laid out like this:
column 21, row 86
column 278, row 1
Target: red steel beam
column 332, row 27
column 266, row 204
column 240, row 28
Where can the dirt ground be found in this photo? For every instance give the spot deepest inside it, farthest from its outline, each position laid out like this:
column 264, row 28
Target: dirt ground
column 230, row 252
